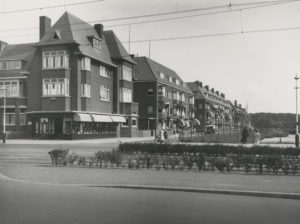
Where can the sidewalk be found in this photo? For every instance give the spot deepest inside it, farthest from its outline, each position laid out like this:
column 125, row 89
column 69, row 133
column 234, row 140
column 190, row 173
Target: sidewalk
column 81, row 141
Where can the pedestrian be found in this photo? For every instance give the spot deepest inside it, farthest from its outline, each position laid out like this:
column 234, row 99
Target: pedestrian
column 161, row 135
column 245, row 134
column 166, row 135
column 256, row 137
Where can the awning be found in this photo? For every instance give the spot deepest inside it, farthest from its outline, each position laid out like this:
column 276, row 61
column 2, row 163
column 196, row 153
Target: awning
column 101, row 118
column 82, row 117
column 118, row 119
column 187, row 124
column 196, row 122
column 181, row 123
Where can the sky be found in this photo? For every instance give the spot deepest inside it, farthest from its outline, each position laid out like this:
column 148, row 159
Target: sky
column 256, row 69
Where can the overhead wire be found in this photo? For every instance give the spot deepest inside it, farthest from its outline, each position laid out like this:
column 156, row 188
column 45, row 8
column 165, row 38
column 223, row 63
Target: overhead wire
column 267, row 3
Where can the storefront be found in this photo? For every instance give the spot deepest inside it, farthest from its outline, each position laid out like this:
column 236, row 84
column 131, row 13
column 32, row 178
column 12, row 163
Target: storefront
column 73, row 125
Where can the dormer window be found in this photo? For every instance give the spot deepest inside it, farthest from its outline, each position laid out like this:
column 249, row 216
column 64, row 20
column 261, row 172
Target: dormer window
column 177, row 82
column 10, row 65
column 97, row 44
column 161, row 75
column 170, row 78
column 57, row 35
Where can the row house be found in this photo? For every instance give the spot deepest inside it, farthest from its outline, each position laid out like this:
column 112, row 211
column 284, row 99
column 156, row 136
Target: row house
column 211, row 107
column 75, row 82
column 164, row 99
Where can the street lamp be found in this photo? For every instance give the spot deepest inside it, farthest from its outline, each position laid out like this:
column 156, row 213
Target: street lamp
column 297, row 134
column 3, row 90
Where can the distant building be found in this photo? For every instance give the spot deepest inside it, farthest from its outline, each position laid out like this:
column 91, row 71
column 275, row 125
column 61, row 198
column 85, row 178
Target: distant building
column 76, row 82
column 211, row 107
column 164, row 99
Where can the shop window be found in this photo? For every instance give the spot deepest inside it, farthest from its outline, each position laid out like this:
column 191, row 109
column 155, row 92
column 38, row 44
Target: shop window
column 10, row 116
column 67, row 126
column 46, row 126
column 22, row 117
column 126, row 123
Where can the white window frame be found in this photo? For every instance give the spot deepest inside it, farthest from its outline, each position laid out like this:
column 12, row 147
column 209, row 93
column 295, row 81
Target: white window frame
column 133, row 119
column 104, row 93
column 14, row 88
column 11, row 65
column 55, row 87
column 127, row 73
column 86, row 64
column 104, row 72
column 86, row 90
column 55, row 59
column 97, row 43
column 161, row 75
column 125, row 95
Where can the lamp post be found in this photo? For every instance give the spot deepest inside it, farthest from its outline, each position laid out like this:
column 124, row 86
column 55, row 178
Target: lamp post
column 4, row 108
column 297, row 134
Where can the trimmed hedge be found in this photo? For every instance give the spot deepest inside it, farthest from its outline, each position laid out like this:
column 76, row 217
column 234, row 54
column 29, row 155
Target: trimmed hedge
column 209, row 150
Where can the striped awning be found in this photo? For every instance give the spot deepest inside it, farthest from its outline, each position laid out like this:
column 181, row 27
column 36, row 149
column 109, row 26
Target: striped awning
column 181, row 123
column 196, row 122
column 82, row 117
column 101, row 118
column 118, row 119
column 187, row 124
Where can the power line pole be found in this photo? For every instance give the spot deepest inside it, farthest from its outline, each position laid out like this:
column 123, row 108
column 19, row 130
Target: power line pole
column 296, row 134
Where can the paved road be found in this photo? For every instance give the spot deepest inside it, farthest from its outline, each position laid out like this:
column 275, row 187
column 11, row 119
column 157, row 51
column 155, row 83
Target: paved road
column 31, row 203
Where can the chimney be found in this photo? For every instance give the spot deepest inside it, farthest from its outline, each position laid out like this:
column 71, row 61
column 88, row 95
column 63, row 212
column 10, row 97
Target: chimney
column 207, row 87
column 223, row 95
column 235, row 103
column 240, row 105
column 45, row 25
column 212, row 90
column 217, row 92
column 99, row 30
column 2, row 45
column 132, row 56
column 198, row 83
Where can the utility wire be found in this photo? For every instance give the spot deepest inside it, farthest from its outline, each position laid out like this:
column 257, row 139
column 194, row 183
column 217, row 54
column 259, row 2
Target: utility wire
column 49, row 7
column 270, row 3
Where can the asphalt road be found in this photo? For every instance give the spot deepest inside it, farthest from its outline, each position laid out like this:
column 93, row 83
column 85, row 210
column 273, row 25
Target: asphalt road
column 32, row 203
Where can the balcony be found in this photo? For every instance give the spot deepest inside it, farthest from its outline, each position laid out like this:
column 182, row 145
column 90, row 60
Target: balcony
column 129, row 108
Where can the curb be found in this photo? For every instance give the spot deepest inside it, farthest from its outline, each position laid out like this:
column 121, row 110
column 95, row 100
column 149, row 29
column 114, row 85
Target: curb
column 294, row 196
column 203, row 190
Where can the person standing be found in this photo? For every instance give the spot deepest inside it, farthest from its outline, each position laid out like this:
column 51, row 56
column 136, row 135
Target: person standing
column 245, row 134
column 256, row 137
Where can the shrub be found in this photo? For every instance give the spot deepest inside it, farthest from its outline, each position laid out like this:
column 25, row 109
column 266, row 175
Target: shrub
column 58, row 156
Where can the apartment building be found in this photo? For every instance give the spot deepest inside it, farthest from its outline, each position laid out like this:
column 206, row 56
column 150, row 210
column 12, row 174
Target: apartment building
column 165, row 101
column 70, row 84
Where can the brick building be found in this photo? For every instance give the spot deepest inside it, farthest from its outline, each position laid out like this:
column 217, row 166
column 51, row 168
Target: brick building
column 164, row 99
column 211, row 107
column 71, row 83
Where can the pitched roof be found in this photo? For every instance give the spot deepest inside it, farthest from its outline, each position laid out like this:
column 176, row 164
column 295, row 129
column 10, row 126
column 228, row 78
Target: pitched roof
column 23, row 52
column 149, row 70
column 116, row 48
column 74, row 30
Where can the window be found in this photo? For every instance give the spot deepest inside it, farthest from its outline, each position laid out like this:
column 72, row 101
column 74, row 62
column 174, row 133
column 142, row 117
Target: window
column 85, row 90
column 104, row 71
column 46, row 125
column 56, row 87
column 169, row 95
column 126, row 123
column 14, row 88
column 150, row 110
column 125, row 95
column 22, row 117
column 104, row 92
column 134, row 122
column 170, row 78
column 86, row 63
column 177, row 82
column 97, row 44
column 127, row 73
column 183, row 97
column 10, row 116
column 161, row 75
column 150, row 92
column 55, row 59
column 162, row 91
column 10, row 65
